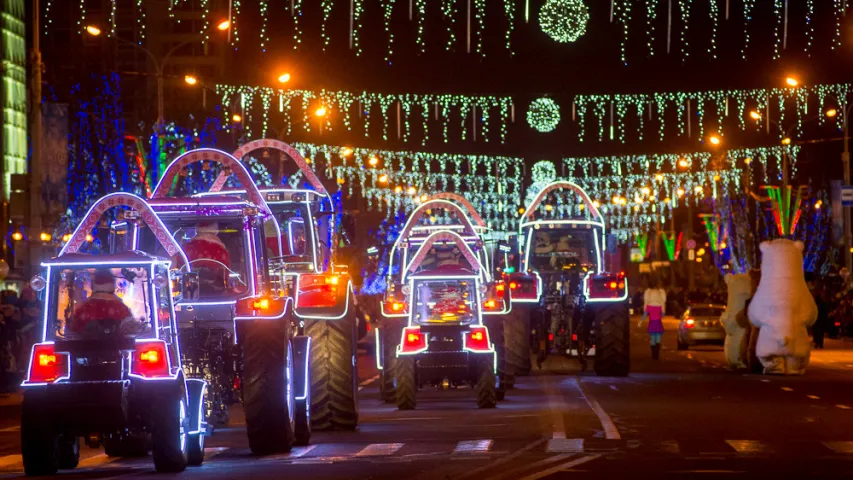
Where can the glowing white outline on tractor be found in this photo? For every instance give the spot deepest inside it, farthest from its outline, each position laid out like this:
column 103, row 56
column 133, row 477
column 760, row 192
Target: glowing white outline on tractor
column 307, row 385
column 612, row 299
column 200, row 403
column 323, row 317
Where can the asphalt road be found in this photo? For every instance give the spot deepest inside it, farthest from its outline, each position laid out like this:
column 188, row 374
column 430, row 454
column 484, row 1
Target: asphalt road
column 684, row 415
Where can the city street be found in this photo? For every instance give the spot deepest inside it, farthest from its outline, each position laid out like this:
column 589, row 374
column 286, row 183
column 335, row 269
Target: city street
column 685, row 414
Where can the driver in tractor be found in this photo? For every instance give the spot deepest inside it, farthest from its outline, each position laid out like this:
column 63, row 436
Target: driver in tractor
column 210, row 258
column 104, row 313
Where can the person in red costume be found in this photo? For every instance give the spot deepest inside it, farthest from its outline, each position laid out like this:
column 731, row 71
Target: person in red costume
column 209, row 256
column 103, row 313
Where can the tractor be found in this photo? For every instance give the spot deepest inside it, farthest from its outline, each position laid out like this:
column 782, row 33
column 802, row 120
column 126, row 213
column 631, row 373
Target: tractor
column 108, row 366
column 562, row 300
column 243, row 304
column 321, row 290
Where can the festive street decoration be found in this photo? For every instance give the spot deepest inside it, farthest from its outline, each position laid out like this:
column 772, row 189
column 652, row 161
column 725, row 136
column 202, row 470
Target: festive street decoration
column 643, row 243
column 694, row 112
column 399, row 180
column 475, row 117
column 543, row 115
column 716, row 231
column 673, row 247
column 564, row 20
column 786, row 213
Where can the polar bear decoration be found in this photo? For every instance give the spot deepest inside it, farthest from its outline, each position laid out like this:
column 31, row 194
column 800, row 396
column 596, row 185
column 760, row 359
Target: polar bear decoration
column 783, row 308
column 739, row 289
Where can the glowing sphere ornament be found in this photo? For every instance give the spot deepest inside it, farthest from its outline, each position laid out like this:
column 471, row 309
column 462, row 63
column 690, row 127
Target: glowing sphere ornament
column 564, row 20
column 543, row 115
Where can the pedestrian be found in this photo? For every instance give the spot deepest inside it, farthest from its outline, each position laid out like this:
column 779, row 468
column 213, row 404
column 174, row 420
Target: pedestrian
column 822, row 323
column 655, row 307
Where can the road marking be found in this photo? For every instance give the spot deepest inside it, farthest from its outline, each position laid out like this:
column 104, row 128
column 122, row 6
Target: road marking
column 787, row 389
column 613, row 387
column 845, row 448
column 813, row 397
column 565, row 445
column 763, row 380
column 368, row 381
column 379, row 450
column 610, row 430
column 843, row 407
column 561, row 467
column 210, row 452
column 16, row 428
column 502, row 460
column 541, row 463
column 749, row 446
column 96, row 460
column 8, row 460
column 295, row 452
column 473, row 446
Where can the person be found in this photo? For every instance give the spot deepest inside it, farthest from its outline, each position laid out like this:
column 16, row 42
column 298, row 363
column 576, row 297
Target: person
column 750, row 340
column 209, row 256
column 822, row 322
column 654, row 301
column 103, row 313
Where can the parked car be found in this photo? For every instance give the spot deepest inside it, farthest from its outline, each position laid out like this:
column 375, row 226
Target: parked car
column 700, row 325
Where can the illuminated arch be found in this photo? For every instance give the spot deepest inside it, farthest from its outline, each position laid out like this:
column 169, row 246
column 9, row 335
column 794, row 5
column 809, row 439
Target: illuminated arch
column 557, row 185
column 462, row 201
column 281, row 147
column 444, row 236
column 445, row 204
column 123, row 200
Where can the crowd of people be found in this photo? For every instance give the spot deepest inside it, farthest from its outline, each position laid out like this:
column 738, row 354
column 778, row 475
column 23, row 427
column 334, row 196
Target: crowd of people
column 18, row 321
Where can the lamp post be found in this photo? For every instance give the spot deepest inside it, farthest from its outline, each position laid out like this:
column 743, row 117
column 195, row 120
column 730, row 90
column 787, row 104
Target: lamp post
column 159, row 64
column 845, row 161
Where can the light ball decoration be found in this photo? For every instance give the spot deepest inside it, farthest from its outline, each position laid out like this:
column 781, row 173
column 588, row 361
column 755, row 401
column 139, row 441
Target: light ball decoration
column 564, row 20
column 543, row 115
column 544, row 172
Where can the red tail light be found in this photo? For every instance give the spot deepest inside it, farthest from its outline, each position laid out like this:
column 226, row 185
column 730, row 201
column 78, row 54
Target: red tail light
column 316, row 290
column 500, row 288
column 837, row 324
column 550, row 337
column 574, row 337
column 260, row 306
column 477, row 339
column 151, row 359
column 395, row 308
column 690, row 323
column 46, row 366
column 513, row 285
column 413, row 341
column 237, row 384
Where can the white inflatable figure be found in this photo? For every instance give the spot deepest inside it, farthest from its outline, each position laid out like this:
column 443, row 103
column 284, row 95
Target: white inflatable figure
column 783, row 308
column 739, row 289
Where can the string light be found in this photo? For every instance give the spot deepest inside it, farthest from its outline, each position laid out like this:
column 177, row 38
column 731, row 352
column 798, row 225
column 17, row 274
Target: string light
column 263, row 6
column 564, row 20
column 235, row 32
column 543, row 115
column 327, row 12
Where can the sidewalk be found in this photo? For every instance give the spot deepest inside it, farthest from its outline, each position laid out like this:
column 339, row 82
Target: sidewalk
column 837, row 354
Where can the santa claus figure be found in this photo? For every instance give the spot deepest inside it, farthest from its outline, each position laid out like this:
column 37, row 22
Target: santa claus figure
column 103, row 313
column 209, row 256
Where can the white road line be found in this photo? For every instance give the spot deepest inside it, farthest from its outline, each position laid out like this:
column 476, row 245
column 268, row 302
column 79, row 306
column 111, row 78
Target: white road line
column 295, row 452
column 670, row 446
column 368, row 381
column 813, row 397
column 843, row 407
column 379, row 450
column 565, row 445
column 8, row 460
column 749, row 446
column 561, row 467
column 845, row 448
column 787, row 389
column 502, row 460
column 610, row 430
column 96, row 460
column 473, row 446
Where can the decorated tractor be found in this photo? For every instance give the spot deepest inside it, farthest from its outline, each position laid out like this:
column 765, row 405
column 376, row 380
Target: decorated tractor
column 321, row 291
column 242, row 302
column 561, row 298
column 108, row 365
column 400, row 318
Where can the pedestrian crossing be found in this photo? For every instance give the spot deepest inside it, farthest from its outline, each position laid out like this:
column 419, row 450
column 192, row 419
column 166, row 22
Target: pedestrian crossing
column 481, row 448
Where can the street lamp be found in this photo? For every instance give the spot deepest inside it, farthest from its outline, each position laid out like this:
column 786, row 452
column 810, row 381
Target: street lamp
column 284, row 78
column 792, row 82
column 236, row 118
column 755, row 115
column 190, row 80
column 159, row 64
column 714, row 139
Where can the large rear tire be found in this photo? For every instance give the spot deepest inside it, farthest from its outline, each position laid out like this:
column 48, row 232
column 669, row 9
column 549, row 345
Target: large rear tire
column 517, row 341
column 486, row 386
column 612, row 337
column 406, row 386
column 389, row 335
column 334, row 376
column 39, row 445
column 69, row 452
column 268, row 386
column 169, row 432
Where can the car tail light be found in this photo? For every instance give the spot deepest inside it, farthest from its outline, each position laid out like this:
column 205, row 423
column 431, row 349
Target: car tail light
column 413, row 341
column 477, row 339
column 837, row 324
column 574, row 337
column 690, row 323
column 151, row 359
column 46, row 365
column 550, row 337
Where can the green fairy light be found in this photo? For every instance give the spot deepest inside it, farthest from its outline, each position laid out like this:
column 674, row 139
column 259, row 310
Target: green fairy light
column 564, row 20
column 543, row 115
column 651, row 6
column 326, row 5
column 263, row 6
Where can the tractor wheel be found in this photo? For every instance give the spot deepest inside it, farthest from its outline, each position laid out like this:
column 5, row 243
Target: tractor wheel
column 197, row 392
column 302, row 387
column 612, row 338
column 334, row 376
column 485, row 388
column 69, row 452
column 517, row 342
column 169, row 421
column 268, row 399
column 405, row 383
column 506, row 378
column 39, row 445
column 389, row 335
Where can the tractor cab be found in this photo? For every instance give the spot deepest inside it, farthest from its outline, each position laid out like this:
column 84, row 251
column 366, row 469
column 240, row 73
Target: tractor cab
column 109, row 350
